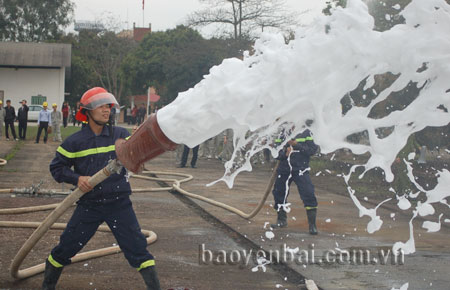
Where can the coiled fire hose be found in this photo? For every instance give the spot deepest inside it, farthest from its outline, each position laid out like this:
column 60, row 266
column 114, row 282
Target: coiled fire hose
column 2, row 162
column 60, row 208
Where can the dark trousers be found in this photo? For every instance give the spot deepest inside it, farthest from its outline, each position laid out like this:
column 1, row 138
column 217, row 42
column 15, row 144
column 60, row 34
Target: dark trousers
column 23, row 129
column 10, row 124
column 65, row 122
column 185, row 155
column 42, row 126
column 120, row 218
column 304, row 186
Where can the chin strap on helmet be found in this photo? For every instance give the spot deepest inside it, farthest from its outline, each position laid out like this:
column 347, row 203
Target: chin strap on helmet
column 110, row 125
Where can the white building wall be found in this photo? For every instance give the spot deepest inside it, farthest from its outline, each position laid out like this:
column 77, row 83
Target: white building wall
column 22, row 83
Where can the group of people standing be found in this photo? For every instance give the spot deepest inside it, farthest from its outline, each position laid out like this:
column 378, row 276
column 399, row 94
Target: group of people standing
column 8, row 116
column 219, row 147
column 47, row 119
column 135, row 115
column 50, row 119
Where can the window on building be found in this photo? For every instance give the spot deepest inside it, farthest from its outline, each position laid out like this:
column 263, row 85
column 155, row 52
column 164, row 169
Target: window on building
column 38, row 100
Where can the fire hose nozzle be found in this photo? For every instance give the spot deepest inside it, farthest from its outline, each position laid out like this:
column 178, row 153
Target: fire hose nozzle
column 146, row 143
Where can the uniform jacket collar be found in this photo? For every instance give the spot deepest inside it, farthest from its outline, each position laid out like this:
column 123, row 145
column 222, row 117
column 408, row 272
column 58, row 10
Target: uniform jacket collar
column 87, row 130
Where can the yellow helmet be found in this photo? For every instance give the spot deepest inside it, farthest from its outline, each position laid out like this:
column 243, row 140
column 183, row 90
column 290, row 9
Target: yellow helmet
column 54, row 105
column 1, row 102
column 45, row 104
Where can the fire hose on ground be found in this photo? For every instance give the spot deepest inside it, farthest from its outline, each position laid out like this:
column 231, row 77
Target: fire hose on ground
column 149, row 130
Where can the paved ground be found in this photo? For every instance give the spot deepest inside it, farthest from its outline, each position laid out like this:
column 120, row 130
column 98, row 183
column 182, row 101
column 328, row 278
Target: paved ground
column 184, row 226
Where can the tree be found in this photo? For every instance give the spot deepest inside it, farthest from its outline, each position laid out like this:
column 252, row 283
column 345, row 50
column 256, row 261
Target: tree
column 243, row 16
column 386, row 13
column 173, row 61
column 104, row 53
column 81, row 79
column 96, row 61
column 34, row 20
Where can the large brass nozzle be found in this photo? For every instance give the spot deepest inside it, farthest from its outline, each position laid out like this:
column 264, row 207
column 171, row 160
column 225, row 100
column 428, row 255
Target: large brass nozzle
column 146, row 143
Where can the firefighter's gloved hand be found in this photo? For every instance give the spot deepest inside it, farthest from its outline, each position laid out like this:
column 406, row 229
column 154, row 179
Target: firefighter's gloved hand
column 83, row 184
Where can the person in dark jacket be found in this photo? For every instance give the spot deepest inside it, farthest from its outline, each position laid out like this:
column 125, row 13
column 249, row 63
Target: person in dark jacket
column 22, row 117
column 294, row 167
column 2, row 117
column 10, row 117
column 89, row 151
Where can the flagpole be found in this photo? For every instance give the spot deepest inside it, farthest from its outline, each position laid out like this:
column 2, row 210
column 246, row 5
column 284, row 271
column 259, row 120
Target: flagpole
column 143, row 22
column 148, row 100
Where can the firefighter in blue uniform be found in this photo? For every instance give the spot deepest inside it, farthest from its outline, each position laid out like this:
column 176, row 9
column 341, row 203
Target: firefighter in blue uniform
column 294, row 165
column 88, row 151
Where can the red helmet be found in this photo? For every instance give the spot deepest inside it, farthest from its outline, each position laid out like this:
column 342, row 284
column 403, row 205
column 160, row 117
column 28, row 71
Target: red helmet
column 92, row 99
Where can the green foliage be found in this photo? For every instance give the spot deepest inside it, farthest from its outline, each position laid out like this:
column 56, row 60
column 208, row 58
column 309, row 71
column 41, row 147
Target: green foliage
column 96, row 61
column 104, row 53
column 14, row 151
column 384, row 13
column 33, row 20
column 81, row 79
column 401, row 183
column 434, row 137
column 173, row 61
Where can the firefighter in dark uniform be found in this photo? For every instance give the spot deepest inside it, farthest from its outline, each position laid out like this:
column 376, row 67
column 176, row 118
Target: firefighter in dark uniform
column 88, row 151
column 294, row 167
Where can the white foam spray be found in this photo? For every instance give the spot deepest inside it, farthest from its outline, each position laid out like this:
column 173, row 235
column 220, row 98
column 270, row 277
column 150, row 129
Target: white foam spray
column 285, row 84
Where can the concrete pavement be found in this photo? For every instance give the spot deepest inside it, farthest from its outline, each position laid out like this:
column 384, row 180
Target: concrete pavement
column 188, row 230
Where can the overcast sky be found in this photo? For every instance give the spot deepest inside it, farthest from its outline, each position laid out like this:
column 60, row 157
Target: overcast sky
column 163, row 14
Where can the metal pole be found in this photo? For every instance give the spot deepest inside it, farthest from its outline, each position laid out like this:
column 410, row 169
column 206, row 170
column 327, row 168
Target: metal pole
column 148, row 101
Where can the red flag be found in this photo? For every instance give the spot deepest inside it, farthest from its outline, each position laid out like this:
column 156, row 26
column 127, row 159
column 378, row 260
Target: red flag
column 143, row 4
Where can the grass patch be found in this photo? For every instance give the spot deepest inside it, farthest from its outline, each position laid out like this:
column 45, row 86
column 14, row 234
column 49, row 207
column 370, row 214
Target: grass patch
column 13, row 151
column 33, row 129
column 31, row 136
column 65, row 132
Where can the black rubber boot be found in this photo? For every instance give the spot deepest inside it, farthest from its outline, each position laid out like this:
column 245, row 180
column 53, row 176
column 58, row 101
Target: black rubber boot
column 312, row 213
column 51, row 276
column 150, row 278
column 281, row 220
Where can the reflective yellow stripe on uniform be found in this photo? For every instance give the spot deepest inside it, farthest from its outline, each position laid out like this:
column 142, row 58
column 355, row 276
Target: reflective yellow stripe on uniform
column 146, row 264
column 310, row 207
column 304, row 139
column 127, row 138
column 53, row 262
column 86, row 152
column 278, row 140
